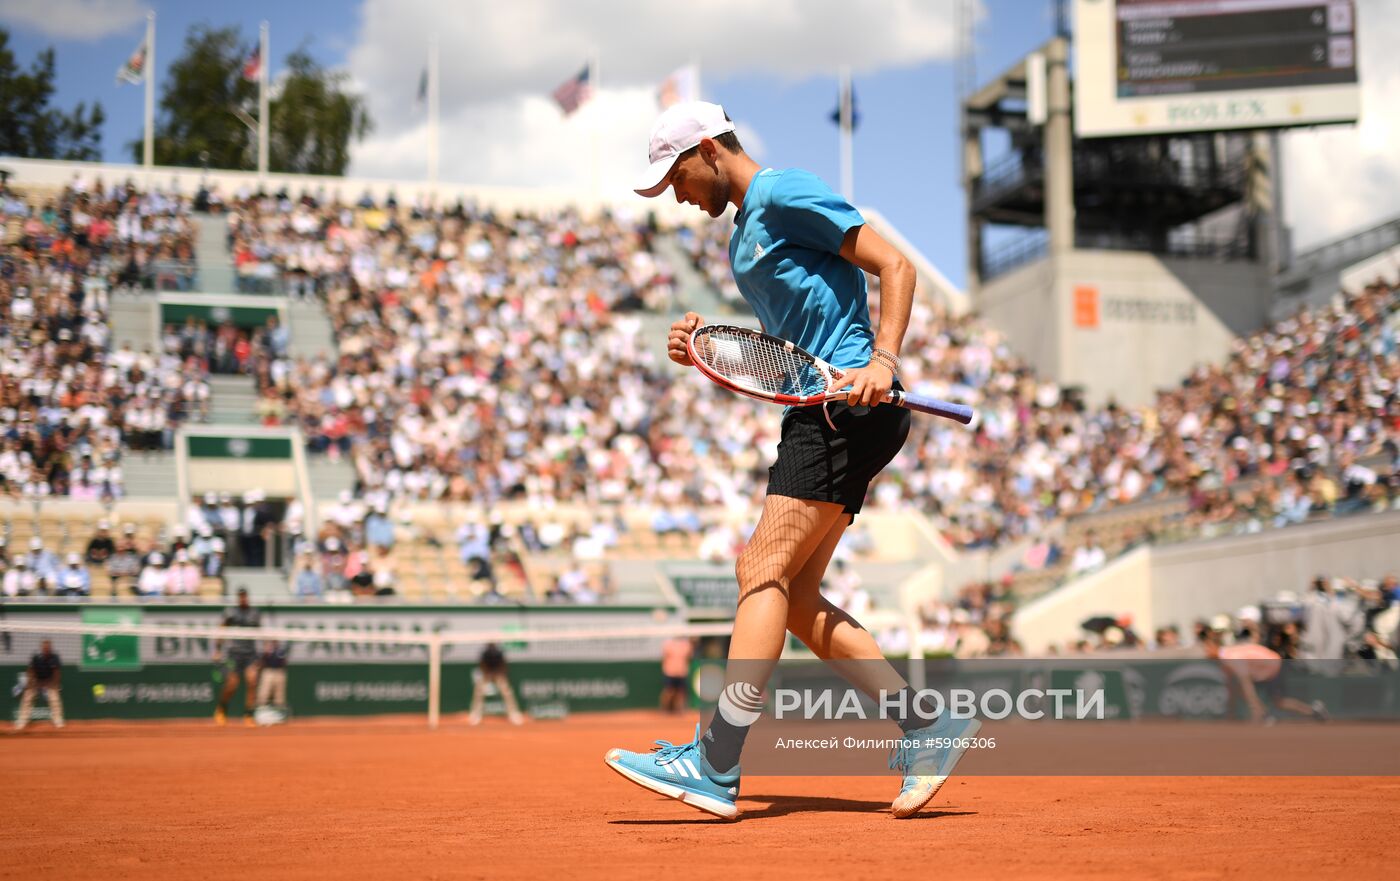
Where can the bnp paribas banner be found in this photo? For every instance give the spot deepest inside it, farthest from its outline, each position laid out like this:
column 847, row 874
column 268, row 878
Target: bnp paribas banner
column 189, row 690
column 338, row 625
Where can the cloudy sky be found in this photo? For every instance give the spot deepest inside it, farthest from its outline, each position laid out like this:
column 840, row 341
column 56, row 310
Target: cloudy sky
column 771, row 63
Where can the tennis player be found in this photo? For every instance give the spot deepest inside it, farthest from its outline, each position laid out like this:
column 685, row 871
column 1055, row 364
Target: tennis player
column 239, row 662
column 799, row 253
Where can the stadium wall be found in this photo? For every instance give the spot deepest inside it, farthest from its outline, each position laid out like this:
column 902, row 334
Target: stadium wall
column 1124, row 586
column 1124, row 324
column 1220, row 575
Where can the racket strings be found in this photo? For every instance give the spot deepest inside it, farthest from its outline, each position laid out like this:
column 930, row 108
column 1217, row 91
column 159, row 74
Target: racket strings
column 760, row 364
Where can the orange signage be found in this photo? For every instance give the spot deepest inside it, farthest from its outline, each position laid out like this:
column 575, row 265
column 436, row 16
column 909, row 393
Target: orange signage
column 1086, row 306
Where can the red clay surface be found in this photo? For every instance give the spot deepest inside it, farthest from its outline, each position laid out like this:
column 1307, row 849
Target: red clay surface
column 351, row 799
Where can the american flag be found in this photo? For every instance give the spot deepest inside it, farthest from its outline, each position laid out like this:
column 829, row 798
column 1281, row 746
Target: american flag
column 574, row 92
column 253, row 65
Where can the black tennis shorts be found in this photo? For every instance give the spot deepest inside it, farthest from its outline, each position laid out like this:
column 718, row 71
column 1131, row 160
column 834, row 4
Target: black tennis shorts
column 821, row 465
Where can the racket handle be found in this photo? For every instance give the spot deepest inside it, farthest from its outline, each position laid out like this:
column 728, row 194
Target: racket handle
column 934, row 407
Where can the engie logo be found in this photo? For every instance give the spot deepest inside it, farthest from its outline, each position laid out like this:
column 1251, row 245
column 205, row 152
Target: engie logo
column 1194, row 691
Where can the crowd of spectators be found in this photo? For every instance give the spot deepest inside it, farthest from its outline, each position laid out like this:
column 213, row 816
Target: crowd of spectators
column 1336, row 619
column 171, row 564
column 69, row 401
column 484, row 358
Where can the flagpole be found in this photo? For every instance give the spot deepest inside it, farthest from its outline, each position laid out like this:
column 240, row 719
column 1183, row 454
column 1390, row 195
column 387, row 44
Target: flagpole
column 263, row 64
column 847, row 163
column 148, row 148
column 699, row 85
column 433, row 95
column 595, row 86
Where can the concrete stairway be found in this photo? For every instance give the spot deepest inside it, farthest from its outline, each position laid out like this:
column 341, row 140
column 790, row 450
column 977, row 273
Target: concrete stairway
column 232, row 400
column 133, row 321
column 328, row 478
column 694, row 293
column 147, row 475
column 212, row 255
column 310, row 330
column 263, row 584
column 636, row 582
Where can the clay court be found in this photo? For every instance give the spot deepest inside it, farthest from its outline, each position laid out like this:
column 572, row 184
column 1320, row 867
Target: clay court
column 390, row 799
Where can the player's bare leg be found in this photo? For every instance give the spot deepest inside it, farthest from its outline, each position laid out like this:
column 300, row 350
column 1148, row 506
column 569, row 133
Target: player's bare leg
column 788, row 534
column 834, row 635
column 230, row 686
column 250, row 699
column 705, row 772
column 830, row 631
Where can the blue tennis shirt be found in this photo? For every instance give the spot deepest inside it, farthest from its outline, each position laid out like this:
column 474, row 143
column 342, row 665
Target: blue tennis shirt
column 785, row 251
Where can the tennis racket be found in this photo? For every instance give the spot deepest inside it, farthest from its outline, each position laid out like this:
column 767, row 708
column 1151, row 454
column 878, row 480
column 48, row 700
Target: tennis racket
column 765, row 367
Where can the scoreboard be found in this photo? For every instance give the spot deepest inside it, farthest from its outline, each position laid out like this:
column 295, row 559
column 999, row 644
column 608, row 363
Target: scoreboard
column 1150, row 66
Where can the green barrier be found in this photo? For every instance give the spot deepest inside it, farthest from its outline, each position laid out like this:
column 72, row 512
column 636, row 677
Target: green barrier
column 247, row 317
column 208, row 446
column 190, row 690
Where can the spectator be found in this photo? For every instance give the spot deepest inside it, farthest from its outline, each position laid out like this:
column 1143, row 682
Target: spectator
column 379, row 529
column 212, row 566
column 309, row 583
column 255, row 525
column 20, row 580
column 101, row 546
column 202, row 544
column 183, row 578
column 572, row 585
column 334, row 561
column 74, row 580
column 154, row 580
column 1088, row 557
column 125, row 563
column 43, row 563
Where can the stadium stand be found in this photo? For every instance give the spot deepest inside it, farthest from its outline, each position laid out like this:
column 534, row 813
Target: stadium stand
column 494, row 362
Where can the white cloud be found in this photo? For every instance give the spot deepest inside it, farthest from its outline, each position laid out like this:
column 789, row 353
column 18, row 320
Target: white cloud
column 73, row 19
column 1340, row 178
column 501, row 61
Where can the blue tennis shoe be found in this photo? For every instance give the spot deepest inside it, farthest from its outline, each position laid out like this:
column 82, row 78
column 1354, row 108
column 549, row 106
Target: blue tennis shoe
column 928, row 759
column 681, row 771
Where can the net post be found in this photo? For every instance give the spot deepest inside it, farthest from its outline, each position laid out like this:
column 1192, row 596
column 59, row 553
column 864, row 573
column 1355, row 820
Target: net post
column 434, row 680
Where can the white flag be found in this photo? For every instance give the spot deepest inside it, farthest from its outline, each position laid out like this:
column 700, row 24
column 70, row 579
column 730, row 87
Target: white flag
column 134, row 71
column 682, row 85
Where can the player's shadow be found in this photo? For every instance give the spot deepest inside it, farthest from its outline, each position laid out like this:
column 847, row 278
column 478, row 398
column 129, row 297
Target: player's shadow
column 782, row 805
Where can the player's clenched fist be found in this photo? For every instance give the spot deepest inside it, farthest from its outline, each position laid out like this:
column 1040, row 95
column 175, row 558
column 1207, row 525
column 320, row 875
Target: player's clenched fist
column 680, row 333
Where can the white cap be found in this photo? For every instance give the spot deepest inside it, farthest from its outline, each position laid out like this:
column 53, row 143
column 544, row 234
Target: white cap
column 74, row 559
column 156, row 559
column 680, row 128
column 36, row 543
